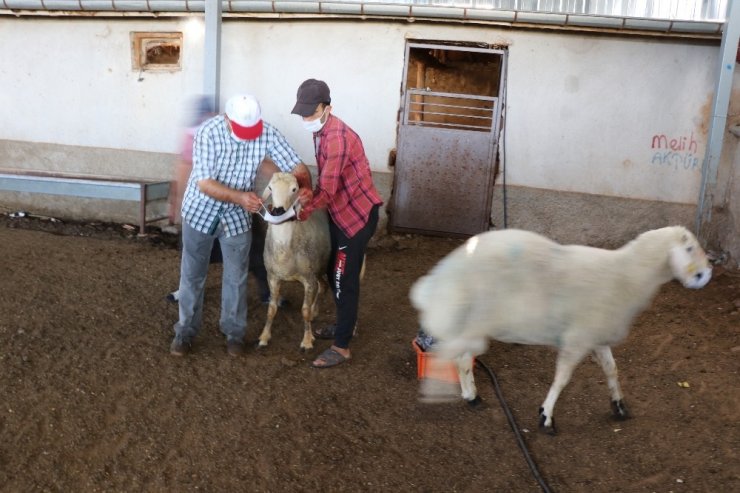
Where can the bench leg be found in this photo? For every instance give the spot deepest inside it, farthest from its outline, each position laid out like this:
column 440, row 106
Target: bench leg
column 142, row 210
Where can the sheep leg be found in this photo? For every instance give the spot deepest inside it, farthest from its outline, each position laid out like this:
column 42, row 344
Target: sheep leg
column 272, row 309
column 308, row 310
column 315, row 305
column 603, row 355
column 467, row 380
column 567, row 360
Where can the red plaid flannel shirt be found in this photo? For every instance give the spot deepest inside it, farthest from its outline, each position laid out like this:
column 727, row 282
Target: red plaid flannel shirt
column 345, row 185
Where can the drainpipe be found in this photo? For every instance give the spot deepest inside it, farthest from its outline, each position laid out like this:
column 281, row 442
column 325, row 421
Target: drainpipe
column 710, row 167
column 212, row 53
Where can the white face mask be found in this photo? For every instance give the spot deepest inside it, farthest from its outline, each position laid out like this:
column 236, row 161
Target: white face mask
column 315, row 125
column 285, row 216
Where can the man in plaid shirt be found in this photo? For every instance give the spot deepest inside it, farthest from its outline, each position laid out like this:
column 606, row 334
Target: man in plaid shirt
column 345, row 187
column 219, row 198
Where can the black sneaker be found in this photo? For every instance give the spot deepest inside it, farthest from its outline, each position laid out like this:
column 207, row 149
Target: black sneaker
column 180, row 346
column 173, row 297
column 234, row 347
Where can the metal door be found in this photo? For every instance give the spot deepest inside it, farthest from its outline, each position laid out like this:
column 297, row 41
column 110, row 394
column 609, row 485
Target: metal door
column 444, row 174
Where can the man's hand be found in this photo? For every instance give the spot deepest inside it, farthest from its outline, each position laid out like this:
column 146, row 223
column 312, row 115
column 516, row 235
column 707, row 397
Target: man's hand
column 250, row 201
column 303, row 214
column 303, row 176
column 304, row 196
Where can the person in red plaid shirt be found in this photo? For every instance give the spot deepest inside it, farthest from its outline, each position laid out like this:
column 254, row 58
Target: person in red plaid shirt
column 345, row 188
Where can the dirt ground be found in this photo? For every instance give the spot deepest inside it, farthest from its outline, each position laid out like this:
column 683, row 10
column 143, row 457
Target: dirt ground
column 91, row 399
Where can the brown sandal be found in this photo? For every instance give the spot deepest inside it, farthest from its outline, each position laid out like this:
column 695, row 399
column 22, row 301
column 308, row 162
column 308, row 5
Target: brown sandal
column 330, row 357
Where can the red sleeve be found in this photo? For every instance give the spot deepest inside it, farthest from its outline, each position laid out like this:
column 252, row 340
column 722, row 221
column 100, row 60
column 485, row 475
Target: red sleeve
column 333, row 154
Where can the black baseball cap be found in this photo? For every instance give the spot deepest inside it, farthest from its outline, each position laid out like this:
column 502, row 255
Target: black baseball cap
column 311, row 94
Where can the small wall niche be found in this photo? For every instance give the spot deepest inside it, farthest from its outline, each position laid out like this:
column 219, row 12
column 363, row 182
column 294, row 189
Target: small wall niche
column 156, row 51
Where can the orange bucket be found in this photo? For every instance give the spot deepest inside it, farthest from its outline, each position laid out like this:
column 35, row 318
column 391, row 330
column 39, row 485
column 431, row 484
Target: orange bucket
column 428, row 366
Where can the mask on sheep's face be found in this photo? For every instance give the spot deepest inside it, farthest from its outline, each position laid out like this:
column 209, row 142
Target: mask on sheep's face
column 280, row 216
column 284, row 193
column 690, row 265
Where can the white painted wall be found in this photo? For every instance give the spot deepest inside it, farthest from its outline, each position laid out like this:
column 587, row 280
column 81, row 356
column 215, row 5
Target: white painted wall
column 581, row 116
column 584, row 110
column 363, row 71
column 69, row 81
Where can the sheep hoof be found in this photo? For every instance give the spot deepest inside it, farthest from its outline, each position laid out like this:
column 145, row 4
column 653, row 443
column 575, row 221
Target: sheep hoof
column 549, row 430
column 259, row 346
column 620, row 411
column 476, row 403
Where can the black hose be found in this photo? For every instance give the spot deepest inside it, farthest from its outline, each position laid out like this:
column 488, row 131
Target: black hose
column 514, row 427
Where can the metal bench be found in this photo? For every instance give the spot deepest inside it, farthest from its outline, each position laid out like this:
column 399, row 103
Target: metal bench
column 139, row 190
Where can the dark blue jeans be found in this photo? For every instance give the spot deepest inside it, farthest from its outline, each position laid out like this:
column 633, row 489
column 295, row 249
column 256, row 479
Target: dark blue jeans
column 345, row 264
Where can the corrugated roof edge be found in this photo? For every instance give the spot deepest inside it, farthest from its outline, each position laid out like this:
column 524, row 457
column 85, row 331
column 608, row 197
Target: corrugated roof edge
column 363, row 11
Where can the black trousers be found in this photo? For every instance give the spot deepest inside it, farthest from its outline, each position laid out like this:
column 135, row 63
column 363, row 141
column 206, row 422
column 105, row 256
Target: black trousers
column 345, row 264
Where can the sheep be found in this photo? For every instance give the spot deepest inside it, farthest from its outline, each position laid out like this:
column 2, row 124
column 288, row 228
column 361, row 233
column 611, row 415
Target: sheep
column 294, row 251
column 516, row 286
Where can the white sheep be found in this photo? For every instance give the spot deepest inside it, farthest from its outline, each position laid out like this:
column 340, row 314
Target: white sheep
column 294, row 251
column 519, row 287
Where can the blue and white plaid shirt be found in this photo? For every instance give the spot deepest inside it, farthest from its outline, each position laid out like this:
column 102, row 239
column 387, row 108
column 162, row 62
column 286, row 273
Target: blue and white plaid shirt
column 220, row 156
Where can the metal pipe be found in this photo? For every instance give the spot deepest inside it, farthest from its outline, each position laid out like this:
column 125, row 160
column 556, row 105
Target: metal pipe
column 212, row 53
column 710, row 167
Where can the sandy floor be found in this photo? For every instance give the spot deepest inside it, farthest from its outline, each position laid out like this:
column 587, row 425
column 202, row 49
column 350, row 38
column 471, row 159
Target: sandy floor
column 90, row 399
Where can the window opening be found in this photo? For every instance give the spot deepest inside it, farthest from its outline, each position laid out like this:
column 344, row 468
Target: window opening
column 452, row 88
column 156, row 51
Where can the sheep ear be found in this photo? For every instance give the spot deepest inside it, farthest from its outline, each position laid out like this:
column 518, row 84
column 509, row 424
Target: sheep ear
column 266, row 193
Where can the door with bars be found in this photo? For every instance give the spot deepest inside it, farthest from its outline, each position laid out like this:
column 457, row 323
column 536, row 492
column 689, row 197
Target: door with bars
column 445, row 163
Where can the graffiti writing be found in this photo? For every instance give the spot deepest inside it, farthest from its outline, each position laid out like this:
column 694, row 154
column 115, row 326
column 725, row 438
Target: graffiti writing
column 677, row 153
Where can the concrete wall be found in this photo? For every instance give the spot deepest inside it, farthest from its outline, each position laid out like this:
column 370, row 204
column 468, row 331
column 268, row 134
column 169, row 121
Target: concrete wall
column 572, row 217
column 598, row 115
column 614, row 122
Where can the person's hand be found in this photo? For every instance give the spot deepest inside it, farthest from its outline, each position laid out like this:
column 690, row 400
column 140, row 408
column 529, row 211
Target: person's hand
column 171, row 213
column 174, row 204
column 303, row 214
column 304, row 196
column 250, row 201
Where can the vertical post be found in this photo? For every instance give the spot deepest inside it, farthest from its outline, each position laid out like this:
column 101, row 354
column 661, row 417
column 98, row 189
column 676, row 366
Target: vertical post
column 212, row 52
column 710, row 167
column 419, row 100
